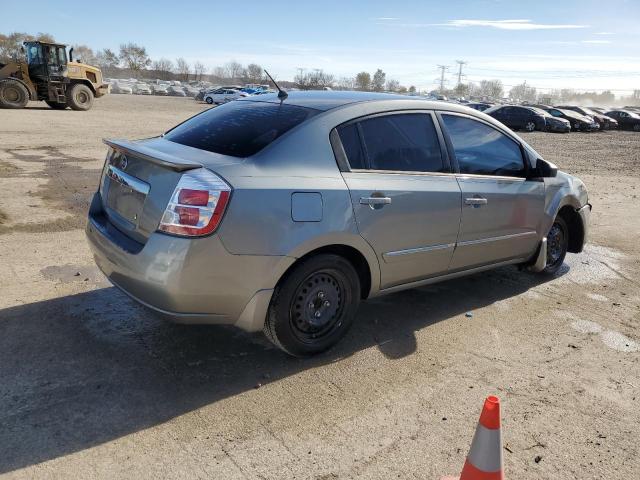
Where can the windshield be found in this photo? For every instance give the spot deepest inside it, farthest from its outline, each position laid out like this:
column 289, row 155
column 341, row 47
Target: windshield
column 239, row 128
column 539, row 111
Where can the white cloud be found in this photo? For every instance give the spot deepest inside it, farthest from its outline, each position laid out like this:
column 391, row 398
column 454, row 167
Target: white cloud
column 597, row 42
column 517, row 24
column 386, row 19
column 604, row 33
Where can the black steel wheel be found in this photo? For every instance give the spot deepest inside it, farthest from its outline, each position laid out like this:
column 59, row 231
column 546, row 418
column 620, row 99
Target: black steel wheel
column 314, row 305
column 557, row 244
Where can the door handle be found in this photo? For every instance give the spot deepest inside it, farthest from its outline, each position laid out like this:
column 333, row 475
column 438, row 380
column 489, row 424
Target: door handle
column 475, row 201
column 375, row 202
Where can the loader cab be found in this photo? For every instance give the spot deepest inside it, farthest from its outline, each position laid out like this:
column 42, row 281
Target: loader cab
column 46, row 61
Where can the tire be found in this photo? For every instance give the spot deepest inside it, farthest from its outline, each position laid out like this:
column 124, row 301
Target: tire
column 80, row 97
column 209, row 100
column 313, row 306
column 557, row 244
column 56, row 105
column 636, row 127
column 530, row 126
column 13, row 94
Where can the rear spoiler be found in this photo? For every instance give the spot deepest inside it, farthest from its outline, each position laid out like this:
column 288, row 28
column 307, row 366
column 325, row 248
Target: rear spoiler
column 153, row 156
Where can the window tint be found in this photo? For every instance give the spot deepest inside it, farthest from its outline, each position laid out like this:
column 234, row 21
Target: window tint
column 405, row 142
column 483, row 150
column 350, row 139
column 239, row 128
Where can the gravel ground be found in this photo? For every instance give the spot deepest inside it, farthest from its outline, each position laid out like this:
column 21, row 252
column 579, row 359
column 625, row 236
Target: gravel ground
column 92, row 386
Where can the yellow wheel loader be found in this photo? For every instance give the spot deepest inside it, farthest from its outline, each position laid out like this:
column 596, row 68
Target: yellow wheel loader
column 45, row 74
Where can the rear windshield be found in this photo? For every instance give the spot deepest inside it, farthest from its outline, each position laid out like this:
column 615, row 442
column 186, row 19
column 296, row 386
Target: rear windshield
column 239, row 128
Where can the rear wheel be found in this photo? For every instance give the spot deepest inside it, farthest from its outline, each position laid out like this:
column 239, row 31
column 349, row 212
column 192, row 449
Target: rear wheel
column 13, row 94
column 636, row 127
column 80, row 97
column 209, row 100
column 557, row 244
column 314, row 306
column 56, row 105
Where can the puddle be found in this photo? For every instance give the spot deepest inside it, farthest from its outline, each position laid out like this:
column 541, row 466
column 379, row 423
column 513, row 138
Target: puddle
column 619, row 342
column 585, row 326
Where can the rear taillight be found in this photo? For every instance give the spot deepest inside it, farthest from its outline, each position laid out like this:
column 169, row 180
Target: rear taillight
column 197, row 204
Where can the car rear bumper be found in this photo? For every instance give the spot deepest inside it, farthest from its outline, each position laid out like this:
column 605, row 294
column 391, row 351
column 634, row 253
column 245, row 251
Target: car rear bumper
column 188, row 280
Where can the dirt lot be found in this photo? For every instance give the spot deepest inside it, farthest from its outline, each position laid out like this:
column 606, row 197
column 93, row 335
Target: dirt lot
column 92, row 386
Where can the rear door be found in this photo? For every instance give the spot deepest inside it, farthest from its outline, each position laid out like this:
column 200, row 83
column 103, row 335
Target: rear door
column 501, row 210
column 405, row 197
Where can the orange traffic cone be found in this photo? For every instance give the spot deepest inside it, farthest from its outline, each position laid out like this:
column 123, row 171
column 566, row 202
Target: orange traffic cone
column 484, row 461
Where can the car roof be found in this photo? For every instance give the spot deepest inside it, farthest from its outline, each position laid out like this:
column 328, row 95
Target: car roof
column 324, row 100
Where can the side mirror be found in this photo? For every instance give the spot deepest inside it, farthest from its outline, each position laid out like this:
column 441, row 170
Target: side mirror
column 543, row 169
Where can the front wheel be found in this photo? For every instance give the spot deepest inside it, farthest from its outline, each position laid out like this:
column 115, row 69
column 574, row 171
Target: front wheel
column 636, row 127
column 313, row 306
column 80, row 97
column 557, row 244
column 209, row 100
column 530, row 126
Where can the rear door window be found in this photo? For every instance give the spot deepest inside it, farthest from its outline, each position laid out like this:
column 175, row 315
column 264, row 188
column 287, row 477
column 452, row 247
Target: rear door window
column 239, row 128
column 483, row 150
column 401, row 142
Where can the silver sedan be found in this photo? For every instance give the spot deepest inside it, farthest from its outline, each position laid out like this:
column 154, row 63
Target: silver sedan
column 282, row 213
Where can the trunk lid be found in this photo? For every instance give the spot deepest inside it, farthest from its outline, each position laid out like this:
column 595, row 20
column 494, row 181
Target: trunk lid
column 139, row 178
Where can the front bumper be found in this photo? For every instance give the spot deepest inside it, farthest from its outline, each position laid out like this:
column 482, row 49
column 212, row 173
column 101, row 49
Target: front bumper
column 187, row 280
column 102, row 90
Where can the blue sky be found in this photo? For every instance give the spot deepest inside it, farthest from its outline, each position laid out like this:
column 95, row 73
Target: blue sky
column 566, row 44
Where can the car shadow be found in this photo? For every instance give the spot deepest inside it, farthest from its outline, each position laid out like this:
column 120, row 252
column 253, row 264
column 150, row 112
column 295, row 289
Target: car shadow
column 81, row 370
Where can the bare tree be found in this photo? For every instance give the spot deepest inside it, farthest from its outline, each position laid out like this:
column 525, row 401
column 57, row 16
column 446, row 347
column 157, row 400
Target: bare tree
column 378, row 80
column 233, row 70
column 107, row 59
column 393, row 85
column 85, row 54
column 254, row 73
column 346, row 83
column 363, row 81
column 198, row 70
column 523, row 92
column 218, row 73
column 164, row 67
column 314, row 79
column 11, row 45
column 491, row 88
column 182, row 68
column 134, row 57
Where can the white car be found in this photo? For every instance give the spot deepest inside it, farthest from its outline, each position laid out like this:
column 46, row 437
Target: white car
column 223, row 95
column 141, row 89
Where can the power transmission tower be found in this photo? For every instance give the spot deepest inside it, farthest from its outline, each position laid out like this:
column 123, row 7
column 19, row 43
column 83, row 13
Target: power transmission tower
column 460, row 63
column 443, row 69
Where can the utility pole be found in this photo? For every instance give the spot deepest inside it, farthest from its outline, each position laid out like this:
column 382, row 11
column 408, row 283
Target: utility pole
column 443, row 69
column 460, row 63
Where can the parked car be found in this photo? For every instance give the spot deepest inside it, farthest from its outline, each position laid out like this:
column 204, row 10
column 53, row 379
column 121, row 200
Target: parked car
column 518, row 118
column 480, row 106
column 176, row 91
column 223, row 95
column 578, row 122
column 160, row 89
column 627, row 120
column 219, row 220
column 141, row 89
column 121, row 88
column 190, row 91
column 604, row 122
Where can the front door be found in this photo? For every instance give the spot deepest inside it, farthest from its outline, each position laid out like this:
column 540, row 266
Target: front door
column 405, row 198
column 501, row 210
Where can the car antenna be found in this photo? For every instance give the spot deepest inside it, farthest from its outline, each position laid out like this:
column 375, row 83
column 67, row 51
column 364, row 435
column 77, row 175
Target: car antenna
column 281, row 93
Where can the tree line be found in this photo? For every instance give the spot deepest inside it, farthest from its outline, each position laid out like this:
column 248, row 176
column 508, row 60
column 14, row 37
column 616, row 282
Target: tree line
column 132, row 59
